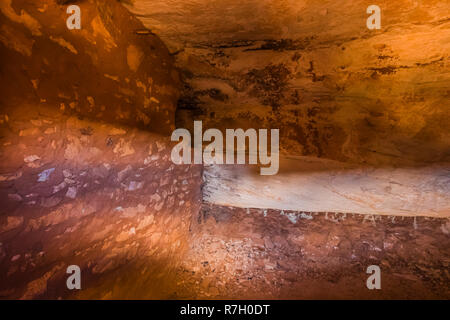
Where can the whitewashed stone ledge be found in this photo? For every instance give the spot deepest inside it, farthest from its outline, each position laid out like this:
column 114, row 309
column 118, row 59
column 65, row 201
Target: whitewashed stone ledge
column 316, row 185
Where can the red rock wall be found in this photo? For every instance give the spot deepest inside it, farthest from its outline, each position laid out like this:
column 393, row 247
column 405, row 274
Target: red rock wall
column 113, row 199
column 248, row 253
column 81, row 181
column 105, row 71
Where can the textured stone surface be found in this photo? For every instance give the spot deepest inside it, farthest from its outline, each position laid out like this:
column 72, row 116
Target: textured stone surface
column 86, row 212
column 263, row 254
column 311, row 68
column 104, row 71
column 81, row 182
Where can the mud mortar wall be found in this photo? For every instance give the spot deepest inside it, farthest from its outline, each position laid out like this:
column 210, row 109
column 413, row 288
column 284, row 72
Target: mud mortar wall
column 85, row 171
column 105, row 71
column 102, row 197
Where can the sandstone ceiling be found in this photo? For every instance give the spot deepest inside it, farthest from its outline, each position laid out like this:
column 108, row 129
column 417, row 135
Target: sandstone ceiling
column 313, row 69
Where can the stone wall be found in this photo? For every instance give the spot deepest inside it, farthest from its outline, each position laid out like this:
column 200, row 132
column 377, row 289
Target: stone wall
column 108, row 70
column 85, row 171
column 248, row 253
column 99, row 196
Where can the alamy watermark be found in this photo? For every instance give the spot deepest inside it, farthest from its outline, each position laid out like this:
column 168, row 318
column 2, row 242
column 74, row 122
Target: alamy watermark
column 74, row 280
column 374, row 20
column 374, row 281
column 73, row 22
column 235, row 147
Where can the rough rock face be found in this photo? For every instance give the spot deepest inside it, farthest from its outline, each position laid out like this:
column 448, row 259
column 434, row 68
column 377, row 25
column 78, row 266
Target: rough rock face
column 80, row 182
column 313, row 69
column 271, row 254
column 108, row 70
column 103, row 197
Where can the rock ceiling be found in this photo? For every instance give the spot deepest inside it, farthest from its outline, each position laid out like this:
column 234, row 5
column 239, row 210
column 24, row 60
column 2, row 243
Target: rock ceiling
column 313, row 69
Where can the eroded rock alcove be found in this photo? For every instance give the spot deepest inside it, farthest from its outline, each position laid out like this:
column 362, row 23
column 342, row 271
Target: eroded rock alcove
column 86, row 176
